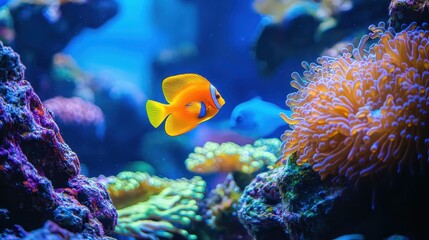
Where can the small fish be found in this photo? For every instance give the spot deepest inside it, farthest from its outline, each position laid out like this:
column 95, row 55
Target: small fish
column 257, row 118
column 192, row 99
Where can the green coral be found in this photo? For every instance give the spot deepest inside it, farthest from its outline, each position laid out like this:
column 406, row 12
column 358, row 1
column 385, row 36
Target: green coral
column 152, row 207
column 162, row 215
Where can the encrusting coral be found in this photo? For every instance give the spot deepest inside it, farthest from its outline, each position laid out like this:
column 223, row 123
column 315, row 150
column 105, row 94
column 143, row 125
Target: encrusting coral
column 230, row 157
column 151, row 207
column 366, row 110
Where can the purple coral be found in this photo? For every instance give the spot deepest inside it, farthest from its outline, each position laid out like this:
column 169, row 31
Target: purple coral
column 39, row 178
column 75, row 111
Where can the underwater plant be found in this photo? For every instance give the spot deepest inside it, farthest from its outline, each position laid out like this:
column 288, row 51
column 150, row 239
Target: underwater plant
column 366, row 110
column 230, row 157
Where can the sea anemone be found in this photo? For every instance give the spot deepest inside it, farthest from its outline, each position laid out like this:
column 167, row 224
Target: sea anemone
column 366, row 110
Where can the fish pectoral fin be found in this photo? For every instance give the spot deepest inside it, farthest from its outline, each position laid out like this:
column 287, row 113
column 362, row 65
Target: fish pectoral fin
column 173, row 85
column 197, row 109
column 156, row 112
column 176, row 125
column 194, row 108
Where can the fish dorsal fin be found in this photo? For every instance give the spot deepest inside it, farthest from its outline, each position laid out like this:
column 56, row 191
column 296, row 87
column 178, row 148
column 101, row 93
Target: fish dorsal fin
column 176, row 125
column 173, row 85
column 257, row 98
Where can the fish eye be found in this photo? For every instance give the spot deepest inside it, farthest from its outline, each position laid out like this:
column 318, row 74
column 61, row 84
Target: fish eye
column 217, row 96
column 239, row 119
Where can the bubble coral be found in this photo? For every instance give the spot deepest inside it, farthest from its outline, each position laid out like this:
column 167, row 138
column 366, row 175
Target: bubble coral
column 230, row 157
column 366, row 110
column 150, row 207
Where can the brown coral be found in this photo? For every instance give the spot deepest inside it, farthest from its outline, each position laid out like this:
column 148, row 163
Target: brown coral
column 363, row 111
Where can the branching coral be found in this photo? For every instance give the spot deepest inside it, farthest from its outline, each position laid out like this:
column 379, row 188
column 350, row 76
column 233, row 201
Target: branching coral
column 229, row 157
column 366, row 110
column 151, row 207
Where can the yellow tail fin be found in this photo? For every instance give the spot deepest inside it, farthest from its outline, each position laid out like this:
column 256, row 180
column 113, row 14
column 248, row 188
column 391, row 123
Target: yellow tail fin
column 156, row 112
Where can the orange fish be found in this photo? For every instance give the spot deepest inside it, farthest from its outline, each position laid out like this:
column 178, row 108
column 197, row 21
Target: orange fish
column 192, row 99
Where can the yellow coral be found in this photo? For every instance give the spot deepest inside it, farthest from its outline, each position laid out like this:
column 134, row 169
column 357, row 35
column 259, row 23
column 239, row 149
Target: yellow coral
column 128, row 188
column 366, row 110
column 229, row 157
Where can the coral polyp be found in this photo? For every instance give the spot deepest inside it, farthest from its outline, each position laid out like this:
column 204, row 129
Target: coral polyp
column 366, row 110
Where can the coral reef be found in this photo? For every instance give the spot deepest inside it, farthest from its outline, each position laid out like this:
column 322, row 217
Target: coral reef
column 39, row 178
column 230, row 157
column 153, row 207
column 219, row 212
column 325, row 23
column 366, row 110
column 44, row 28
column 49, row 231
column 292, row 202
column 407, row 11
column 261, row 207
column 80, row 119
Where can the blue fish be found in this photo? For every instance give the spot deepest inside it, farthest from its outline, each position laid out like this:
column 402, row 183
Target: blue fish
column 351, row 237
column 257, row 118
